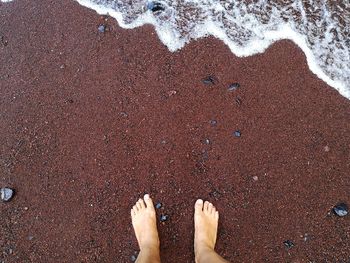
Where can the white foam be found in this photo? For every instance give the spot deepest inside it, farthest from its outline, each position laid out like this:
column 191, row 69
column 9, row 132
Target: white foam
column 6, row 1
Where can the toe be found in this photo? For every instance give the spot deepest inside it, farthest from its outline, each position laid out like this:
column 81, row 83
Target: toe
column 148, row 201
column 135, row 208
column 210, row 208
column 198, row 207
column 206, row 206
column 140, row 204
column 216, row 215
column 132, row 213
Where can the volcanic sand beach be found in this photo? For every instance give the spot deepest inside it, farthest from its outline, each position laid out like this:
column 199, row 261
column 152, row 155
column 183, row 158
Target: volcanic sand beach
column 91, row 121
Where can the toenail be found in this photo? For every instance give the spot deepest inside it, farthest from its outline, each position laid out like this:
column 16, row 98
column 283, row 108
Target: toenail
column 146, row 196
column 199, row 201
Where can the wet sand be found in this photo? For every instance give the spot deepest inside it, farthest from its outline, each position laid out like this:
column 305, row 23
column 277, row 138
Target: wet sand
column 90, row 121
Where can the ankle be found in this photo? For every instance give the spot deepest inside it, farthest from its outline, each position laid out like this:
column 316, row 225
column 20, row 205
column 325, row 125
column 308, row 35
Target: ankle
column 202, row 251
column 153, row 246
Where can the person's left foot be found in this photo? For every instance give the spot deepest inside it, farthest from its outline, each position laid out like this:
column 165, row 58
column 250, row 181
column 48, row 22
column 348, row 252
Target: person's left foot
column 143, row 218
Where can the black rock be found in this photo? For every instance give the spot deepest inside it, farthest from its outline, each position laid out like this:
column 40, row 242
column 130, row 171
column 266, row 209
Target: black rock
column 158, row 205
column 341, row 209
column 210, row 80
column 289, row 244
column 155, row 7
column 6, row 194
column 213, row 122
column 101, row 28
column 237, row 133
column 163, row 218
column 238, row 101
column 233, row 86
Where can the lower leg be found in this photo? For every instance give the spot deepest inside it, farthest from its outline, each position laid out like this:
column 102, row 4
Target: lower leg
column 143, row 217
column 206, row 220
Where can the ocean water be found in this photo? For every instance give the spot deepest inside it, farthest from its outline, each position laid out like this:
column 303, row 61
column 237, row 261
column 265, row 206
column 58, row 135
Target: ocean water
column 321, row 28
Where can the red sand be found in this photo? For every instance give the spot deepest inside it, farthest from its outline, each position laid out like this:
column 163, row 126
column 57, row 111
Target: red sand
column 90, row 121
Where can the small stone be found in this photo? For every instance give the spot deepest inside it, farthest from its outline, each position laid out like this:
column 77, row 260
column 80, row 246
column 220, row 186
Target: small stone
column 341, row 209
column 326, row 148
column 123, row 114
column 210, row 80
column 158, row 205
column 206, row 141
column 237, row 133
column 62, row 66
column 289, row 244
column 155, row 7
column 255, row 178
column 101, row 28
column 164, row 218
column 233, row 86
column 3, row 41
column 133, row 258
column 6, row 194
column 238, row 101
column 213, row 122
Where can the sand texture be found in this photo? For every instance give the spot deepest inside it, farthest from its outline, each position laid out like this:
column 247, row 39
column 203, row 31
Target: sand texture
column 91, row 121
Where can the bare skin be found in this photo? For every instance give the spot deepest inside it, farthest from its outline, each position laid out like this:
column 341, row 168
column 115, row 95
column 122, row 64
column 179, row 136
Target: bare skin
column 143, row 217
column 206, row 219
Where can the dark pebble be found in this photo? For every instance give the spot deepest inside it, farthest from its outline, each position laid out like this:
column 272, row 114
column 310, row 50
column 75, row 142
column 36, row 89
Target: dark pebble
column 133, row 258
column 3, row 41
column 158, row 205
column 289, row 244
column 6, row 194
column 213, row 122
column 238, row 101
column 164, row 218
column 234, row 86
column 237, row 133
column 209, row 80
column 155, row 7
column 206, row 141
column 101, row 28
column 341, row 209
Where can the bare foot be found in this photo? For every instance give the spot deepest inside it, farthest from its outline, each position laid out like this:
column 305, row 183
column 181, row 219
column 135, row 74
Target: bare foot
column 143, row 218
column 206, row 220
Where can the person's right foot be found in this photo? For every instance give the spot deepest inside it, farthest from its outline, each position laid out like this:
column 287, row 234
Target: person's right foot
column 206, row 220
